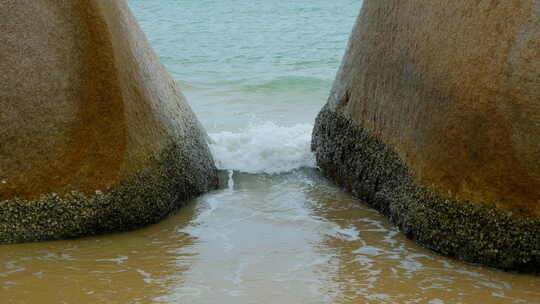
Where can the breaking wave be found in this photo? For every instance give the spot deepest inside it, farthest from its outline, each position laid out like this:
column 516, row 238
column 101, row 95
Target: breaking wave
column 264, row 148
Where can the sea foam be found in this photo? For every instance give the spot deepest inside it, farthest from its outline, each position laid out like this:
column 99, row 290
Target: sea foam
column 264, row 148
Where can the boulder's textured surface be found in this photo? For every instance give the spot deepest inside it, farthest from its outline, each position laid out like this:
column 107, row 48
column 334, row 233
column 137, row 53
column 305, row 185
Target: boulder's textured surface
column 434, row 119
column 94, row 134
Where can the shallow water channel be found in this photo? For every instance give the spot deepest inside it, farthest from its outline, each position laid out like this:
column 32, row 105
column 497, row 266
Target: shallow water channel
column 256, row 72
column 285, row 238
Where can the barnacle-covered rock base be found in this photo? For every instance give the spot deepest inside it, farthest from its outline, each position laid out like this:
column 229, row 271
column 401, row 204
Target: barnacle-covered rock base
column 373, row 172
column 144, row 198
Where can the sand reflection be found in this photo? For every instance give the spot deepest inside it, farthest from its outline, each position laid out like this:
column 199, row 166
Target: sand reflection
column 133, row 267
column 374, row 263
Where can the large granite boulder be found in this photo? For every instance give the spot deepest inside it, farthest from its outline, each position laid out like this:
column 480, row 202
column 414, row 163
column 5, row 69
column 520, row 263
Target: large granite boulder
column 94, row 135
column 434, row 119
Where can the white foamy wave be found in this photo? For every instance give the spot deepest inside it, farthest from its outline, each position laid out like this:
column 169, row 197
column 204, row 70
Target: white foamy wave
column 264, row 148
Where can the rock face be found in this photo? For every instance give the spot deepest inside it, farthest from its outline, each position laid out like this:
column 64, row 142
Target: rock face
column 94, row 135
column 434, row 119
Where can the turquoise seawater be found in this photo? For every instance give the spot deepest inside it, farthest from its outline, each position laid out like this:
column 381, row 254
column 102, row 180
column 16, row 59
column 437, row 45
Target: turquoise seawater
column 243, row 60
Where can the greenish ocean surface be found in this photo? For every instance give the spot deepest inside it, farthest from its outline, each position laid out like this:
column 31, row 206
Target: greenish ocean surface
column 239, row 61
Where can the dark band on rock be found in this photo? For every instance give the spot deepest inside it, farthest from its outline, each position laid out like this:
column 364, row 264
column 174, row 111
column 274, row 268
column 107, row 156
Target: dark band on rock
column 145, row 198
column 374, row 173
